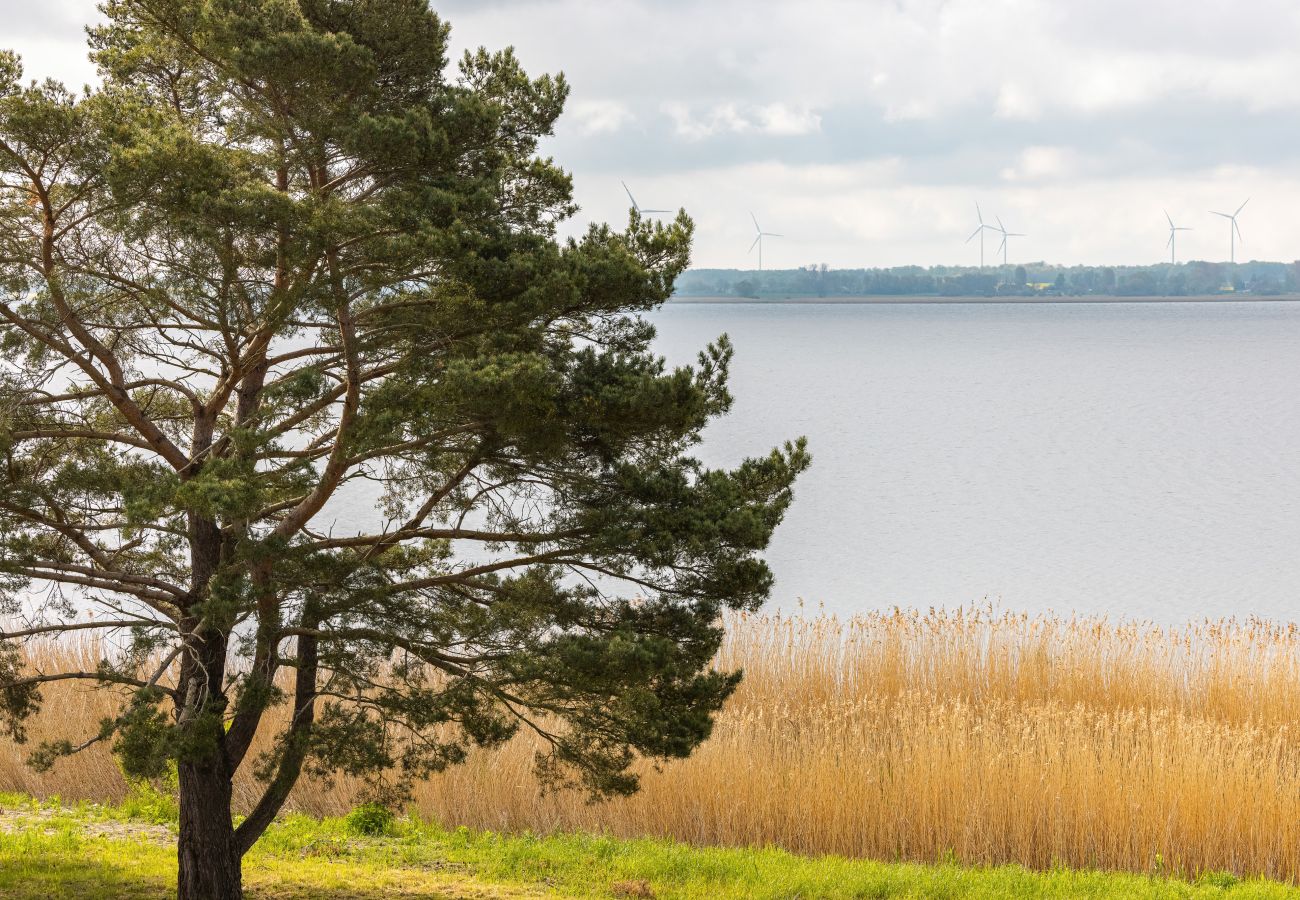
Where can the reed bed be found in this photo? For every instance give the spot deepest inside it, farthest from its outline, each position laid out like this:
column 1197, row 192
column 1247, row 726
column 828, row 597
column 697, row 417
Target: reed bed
column 978, row 736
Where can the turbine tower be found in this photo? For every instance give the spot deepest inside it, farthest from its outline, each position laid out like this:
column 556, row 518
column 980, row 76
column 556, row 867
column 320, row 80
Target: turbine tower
column 1006, row 234
column 637, row 206
column 1173, row 244
column 980, row 231
column 1234, row 230
column 758, row 240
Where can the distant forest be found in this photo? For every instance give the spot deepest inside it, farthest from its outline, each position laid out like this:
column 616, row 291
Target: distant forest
column 1164, row 280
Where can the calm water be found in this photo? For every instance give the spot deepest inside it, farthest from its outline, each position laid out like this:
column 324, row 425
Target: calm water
column 1135, row 459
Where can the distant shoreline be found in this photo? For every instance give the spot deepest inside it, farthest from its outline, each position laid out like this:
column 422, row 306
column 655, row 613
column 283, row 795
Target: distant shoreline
column 931, row 299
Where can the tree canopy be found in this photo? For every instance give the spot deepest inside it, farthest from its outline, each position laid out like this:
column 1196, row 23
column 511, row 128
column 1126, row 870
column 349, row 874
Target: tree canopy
column 285, row 254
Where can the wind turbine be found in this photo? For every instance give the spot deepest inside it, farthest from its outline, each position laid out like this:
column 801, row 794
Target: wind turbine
column 980, row 231
column 758, row 241
column 1173, row 231
column 1006, row 234
column 637, row 207
column 1234, row 230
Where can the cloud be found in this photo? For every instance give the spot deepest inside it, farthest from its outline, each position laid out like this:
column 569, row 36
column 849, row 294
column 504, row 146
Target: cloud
column 776, row 119
column 599, row 116
column 51, row 38
column 1042, row 164
column 1015, row 101
column 779, row 119
column 41, row 20
column 867, row 129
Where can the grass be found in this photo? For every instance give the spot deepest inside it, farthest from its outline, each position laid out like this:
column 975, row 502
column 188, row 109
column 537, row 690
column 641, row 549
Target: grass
column 53, row 851
column 981, row 737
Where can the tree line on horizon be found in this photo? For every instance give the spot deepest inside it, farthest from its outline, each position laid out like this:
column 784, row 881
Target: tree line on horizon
column 1161, row 280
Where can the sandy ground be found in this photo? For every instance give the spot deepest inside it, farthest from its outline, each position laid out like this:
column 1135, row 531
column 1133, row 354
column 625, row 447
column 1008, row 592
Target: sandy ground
column 41, row 819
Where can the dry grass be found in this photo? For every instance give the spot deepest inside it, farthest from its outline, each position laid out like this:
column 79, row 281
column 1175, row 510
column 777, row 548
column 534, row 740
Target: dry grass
column 989, row 738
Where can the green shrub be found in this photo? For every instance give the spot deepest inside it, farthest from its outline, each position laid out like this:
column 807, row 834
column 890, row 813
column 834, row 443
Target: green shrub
column 153, row 800
column 1223, row 880
column 146, row 802
column 370, row 820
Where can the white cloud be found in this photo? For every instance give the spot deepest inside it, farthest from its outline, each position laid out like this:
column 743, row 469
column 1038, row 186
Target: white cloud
column 776, row 119
column 870, row 213
column 866, row 129
column 779, row 119
column 599, row 116
column 1015, row 101
column 1040, row 163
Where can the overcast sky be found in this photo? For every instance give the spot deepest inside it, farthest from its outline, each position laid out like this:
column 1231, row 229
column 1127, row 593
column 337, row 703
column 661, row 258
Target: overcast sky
column 865, row 131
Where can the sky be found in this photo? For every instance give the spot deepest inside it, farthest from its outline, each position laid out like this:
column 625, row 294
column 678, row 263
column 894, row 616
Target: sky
column 866, row 131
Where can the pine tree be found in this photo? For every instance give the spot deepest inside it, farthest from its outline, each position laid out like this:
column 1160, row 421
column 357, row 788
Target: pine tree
column 285, row 249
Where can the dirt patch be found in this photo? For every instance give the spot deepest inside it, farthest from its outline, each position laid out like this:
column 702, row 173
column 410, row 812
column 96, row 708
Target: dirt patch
column 50, row 821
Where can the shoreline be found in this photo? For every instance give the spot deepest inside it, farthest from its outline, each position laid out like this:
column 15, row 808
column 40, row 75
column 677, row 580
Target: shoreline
column 925, row 299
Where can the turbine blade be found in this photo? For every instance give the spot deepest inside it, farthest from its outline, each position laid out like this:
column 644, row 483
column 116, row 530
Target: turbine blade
column 1240, row 208
column 1002, row 228
column 973, row 233
column 1225, row 215
column 1170, row 242
column 1238, row 227
column 755, row 244
column 629, row 196
column 770, row 234
column 757, row 227
column 660, row 211
column 979, row 215
column 1171, row 221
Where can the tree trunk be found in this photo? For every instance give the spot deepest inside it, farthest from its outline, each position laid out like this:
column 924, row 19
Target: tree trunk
column 208, row 856
column 206, row 851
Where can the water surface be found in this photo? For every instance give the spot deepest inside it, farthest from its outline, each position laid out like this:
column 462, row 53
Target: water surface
column 1131, row 458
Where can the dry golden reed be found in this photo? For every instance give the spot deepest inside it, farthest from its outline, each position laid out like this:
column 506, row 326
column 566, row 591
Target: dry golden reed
column 980, row 736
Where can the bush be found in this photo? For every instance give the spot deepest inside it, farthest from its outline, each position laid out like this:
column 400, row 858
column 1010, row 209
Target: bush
column 370, row 820
column 154, row 800
column 1223, row 880
column 146, row 802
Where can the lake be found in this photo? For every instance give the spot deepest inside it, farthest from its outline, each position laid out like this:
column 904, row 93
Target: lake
column 1136, row 459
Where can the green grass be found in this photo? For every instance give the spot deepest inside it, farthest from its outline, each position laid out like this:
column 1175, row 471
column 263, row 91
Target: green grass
column 88, row 851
